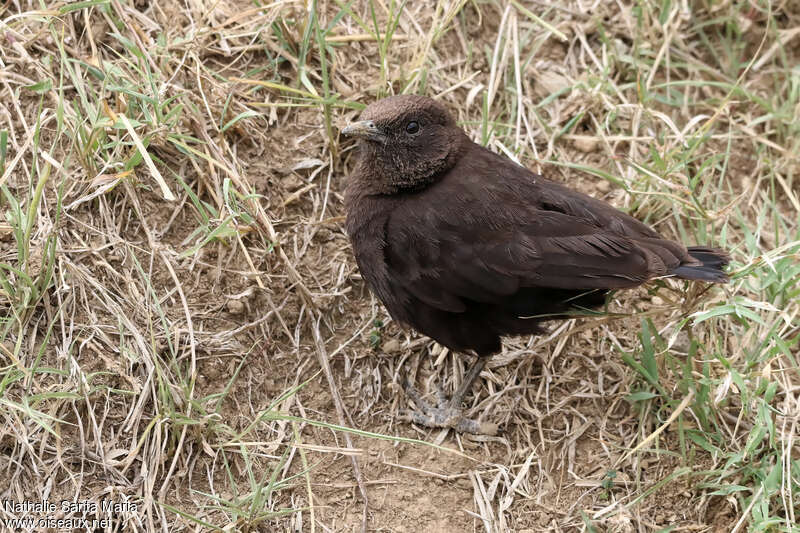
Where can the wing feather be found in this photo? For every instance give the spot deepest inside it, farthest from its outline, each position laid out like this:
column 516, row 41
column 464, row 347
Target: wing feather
column 545, row 236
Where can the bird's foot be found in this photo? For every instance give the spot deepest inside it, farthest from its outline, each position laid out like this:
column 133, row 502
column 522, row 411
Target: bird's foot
column 447, row 414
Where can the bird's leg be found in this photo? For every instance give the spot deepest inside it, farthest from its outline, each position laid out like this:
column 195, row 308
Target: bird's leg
column 448, row 413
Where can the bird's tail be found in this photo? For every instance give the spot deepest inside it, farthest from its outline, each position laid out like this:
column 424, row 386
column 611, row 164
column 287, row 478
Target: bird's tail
column 708, row 266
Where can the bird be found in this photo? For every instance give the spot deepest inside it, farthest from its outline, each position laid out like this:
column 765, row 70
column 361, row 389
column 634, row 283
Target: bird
column 466, row 246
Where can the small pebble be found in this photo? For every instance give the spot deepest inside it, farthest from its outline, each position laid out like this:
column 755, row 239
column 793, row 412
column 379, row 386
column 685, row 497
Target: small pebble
column 235, row 307
column 585, row 144
column 391, row 346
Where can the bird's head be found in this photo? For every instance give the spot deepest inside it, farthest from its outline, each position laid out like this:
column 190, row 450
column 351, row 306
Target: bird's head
column 406, row 141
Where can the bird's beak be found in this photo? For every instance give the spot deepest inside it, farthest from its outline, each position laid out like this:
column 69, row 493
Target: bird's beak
column 364, row 129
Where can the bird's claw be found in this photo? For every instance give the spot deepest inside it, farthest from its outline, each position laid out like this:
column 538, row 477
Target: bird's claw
column 443, row 416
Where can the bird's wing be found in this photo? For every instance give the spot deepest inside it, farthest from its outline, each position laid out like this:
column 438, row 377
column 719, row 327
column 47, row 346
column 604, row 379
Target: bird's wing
column 484, row 244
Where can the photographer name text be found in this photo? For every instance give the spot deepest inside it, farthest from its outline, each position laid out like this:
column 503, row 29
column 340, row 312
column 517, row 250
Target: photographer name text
column 68, row 506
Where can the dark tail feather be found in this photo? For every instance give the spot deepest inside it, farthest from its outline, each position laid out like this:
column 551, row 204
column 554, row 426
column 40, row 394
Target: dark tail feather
column 713, row 261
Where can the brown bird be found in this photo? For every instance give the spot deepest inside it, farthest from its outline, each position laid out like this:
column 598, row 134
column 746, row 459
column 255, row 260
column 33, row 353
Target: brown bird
column 467, row 246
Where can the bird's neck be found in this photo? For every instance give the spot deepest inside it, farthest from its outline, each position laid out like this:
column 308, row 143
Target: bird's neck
column 385, row 172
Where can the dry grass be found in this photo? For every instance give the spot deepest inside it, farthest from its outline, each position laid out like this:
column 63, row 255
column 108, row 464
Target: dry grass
column 185, row 333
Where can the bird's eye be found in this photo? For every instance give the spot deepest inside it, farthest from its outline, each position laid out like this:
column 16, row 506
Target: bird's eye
column 412, row 127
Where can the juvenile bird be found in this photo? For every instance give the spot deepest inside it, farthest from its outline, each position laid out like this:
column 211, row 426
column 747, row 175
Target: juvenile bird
column 466, row 246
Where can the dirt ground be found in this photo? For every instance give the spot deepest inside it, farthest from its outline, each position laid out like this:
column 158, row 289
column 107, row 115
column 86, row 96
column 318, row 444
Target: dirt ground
column 170, row 352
